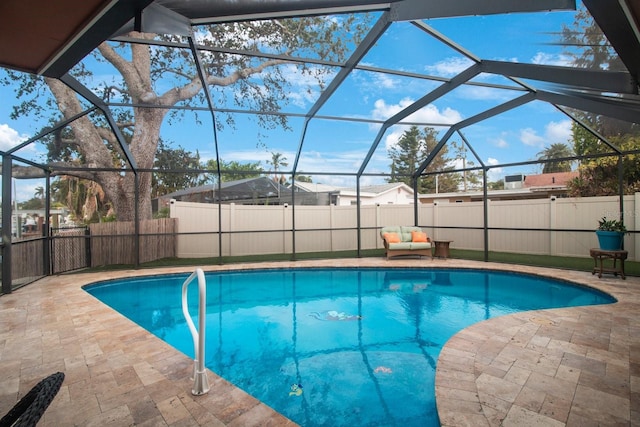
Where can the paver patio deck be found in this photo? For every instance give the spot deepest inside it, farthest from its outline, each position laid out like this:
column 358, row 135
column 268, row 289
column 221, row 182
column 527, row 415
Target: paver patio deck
column 561, row 367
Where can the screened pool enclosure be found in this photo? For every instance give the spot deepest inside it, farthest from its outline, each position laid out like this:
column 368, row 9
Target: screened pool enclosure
column 118, row 103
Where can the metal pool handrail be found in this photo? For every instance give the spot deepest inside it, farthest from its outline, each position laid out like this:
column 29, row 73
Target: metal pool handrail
column 200, row 379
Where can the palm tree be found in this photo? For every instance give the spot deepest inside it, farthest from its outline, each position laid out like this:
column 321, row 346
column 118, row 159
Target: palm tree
column 277, row 161
column 553, row 152
column 39, row 193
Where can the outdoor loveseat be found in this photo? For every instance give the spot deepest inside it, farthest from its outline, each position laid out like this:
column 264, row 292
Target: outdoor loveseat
column 405, row 240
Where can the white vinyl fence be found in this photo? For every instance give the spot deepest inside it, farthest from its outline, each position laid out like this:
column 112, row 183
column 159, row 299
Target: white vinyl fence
column 540, row 224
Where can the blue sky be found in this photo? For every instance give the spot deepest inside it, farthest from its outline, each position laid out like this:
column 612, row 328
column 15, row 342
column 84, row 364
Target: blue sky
column 339, row 146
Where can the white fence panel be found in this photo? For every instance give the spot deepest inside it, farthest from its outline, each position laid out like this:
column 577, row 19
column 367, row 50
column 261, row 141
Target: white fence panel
column 333, row 228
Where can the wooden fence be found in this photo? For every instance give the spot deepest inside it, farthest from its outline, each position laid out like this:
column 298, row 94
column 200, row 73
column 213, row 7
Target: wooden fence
column 114, row 242
column 27, row 261
column 68, row 249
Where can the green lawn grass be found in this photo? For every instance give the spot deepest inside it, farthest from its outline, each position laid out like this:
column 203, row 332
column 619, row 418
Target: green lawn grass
column 632, row 268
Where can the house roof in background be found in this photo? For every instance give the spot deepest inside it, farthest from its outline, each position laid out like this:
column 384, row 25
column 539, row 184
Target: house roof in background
column 555, row 179
column 365, row 190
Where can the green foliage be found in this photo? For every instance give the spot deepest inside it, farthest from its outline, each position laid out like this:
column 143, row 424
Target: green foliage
column 470, row 179
column 599, row 176
column 173, row 165
column 411, row 151
column 589, row 48
column 586, row 43
column 554, row 152
column 605, row 224
column 495, row 185
column 33, row 203
column 303, row 178
column 233, row 170
column 162, row 213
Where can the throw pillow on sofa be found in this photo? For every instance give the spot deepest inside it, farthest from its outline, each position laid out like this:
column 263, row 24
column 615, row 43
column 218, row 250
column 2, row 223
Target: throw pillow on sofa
column 418, row 237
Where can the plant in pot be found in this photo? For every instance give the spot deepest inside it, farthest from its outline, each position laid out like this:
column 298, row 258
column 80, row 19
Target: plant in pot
column 610, row 234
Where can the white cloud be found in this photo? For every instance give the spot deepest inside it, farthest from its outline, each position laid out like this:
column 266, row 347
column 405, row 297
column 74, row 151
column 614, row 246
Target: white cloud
column 484, row 93
column 500, row 142
column 384, row 81
column 554, row 132
column 559, row 132
column 428, row 114
column 529, row 137
column 494, row 174
column 449, row 66
column 9, row 137
column 543, row 58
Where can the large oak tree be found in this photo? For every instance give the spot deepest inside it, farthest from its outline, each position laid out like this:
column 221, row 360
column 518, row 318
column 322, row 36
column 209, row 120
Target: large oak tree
column 259, row 83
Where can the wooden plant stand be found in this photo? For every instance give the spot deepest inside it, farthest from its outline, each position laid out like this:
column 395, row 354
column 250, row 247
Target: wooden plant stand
column 599, row 255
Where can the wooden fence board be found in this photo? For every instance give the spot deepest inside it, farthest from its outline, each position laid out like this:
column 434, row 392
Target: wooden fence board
column 114, row 242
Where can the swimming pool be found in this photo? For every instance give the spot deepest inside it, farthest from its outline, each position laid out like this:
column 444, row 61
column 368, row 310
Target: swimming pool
column 336, row 347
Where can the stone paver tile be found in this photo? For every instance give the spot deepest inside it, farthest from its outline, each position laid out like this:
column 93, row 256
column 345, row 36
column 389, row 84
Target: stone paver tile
column 260, row 416
column 517, row 375
column 453, row 419
column 605, row 404
column 584, row 364
column 518, row 417
column 556, row 408
column 551, row 385
column 530, row 399
column 119, row 416
column 500, row 388
column 173, row 410
column 144, row 409
column 147, row 373
column 568, row 373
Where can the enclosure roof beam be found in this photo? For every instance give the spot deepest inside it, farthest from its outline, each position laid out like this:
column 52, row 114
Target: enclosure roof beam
column 588, row 127
column 83, row 91
column 370, row 39
column 50, row 130
column 610, row 107
column 608, row 81
column 619, row 22
column 441, row 90
column 408, row 10
column 491, row 112
column 466, row 141
column 110, row 16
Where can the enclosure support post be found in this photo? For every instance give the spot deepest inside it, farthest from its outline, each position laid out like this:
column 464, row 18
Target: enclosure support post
column 485, row 214
column 46, row 227
column 136, row 219
column 414, row 182
column 293, row 217
column 6, row 223
column 358, row 221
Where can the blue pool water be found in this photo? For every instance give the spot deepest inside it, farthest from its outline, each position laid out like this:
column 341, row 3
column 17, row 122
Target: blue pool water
column 335, row 347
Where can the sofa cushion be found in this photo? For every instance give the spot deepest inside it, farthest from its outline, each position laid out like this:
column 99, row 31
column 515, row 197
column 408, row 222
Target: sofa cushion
column 400, row 246
column 390, row 229
column 420, row 245
column 406, row 232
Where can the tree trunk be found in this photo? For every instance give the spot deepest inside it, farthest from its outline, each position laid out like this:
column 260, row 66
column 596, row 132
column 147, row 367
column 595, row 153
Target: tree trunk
column 119, row 189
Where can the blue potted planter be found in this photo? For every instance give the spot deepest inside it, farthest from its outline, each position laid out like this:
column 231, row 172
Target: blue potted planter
column 610, row 240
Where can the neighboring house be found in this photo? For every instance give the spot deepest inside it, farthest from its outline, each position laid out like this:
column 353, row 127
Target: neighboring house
column 249, row 191
column 517, row 187
column 396, row 193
